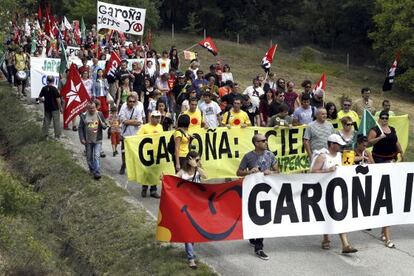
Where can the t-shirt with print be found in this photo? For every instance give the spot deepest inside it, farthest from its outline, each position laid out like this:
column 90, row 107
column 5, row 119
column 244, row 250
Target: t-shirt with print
column 252, row 111
column 195, row 119
column 210, row 112
column 264, row 161
column 236, row 119
column 92, row 124
column 115, row 123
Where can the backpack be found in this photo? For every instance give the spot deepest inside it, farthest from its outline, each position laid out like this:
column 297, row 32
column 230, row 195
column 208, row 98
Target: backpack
column 171, row 143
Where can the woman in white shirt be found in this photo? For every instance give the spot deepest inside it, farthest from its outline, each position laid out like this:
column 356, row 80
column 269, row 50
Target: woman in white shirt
column 226, row 75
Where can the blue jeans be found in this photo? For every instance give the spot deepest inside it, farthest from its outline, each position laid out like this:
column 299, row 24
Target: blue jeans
column 189, row 249
column 93, row 155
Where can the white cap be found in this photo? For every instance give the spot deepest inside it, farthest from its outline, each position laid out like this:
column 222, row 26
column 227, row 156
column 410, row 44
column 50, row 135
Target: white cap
column 335, row 138
column 156, row 113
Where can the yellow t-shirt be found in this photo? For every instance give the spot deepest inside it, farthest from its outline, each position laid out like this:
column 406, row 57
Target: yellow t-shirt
column 149, row 129
column 236, row 119
column 350, row 113
column 195, row 118
column 185, row 141
column 20, row 62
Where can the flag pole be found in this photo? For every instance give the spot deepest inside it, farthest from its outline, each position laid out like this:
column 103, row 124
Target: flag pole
column 192, row 46
column 273, row 55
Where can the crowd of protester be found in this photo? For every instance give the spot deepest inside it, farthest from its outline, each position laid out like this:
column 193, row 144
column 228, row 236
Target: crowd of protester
column 173, row 93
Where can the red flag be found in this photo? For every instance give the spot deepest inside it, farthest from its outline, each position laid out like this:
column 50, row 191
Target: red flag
column 75, row 95
column 208, row 43
column 148, row 39
column 39, row 14
column 112, row 64
column 389, row 80
column 76, row 31
column 321, row 84
column 268, row 58
column 194, row 212
column 121, row 36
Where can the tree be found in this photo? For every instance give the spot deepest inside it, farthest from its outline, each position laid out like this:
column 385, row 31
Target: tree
column 193, row 25
column 394, row 31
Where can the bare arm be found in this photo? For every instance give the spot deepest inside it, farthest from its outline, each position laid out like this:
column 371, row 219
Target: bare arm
column 308, row 150
column 372, row 139
column 317, row 167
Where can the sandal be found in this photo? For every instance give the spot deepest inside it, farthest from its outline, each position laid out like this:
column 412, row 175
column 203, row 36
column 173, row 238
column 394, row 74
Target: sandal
column 349, row 249
column 326, row 245
column 389, row 244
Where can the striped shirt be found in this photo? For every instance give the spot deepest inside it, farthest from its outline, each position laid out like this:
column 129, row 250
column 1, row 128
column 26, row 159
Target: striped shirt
column 318, row 133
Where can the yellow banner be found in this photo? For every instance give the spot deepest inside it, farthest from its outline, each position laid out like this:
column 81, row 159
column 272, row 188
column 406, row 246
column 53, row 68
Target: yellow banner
column 222, row 149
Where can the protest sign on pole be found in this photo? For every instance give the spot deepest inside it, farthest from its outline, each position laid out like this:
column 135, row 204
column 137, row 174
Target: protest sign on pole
column 121, row 18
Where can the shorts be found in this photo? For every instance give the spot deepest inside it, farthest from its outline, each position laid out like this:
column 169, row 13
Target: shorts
column 115, row 138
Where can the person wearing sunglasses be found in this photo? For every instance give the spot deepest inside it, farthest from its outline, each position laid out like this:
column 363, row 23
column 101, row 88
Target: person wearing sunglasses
column 347, row 132
column 131, row 115
column 346, row 111
column 258, row 160
column 194, row 172
column 386, row 149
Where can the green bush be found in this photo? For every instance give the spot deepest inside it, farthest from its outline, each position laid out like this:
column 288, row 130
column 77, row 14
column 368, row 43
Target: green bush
column 307, row 54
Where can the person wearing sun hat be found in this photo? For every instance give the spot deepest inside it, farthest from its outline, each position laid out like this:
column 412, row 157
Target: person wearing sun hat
column 327, row 160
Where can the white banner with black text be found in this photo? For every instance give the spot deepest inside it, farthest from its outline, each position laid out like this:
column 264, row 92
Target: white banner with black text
column 351, row 198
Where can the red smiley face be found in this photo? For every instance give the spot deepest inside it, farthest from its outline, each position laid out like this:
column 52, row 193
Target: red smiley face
column 195, row 212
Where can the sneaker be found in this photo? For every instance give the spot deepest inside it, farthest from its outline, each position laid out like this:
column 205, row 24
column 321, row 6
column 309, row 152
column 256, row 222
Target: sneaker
column 251, row 244
column 154, row 195
column 114, row 154
column 103, row 155
column 122, row 171
column 144, row 193
column 75, row 128
column 97, row 176
column 262, row 255
column 192, row 264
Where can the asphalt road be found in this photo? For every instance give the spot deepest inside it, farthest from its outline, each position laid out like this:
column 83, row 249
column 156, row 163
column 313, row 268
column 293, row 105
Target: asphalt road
column 288, row 255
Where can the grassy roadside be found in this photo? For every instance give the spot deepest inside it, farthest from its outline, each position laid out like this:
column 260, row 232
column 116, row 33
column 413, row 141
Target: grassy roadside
column 84, row 225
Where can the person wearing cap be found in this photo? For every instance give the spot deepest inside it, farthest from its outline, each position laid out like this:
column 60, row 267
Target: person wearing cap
column 317, row 132
column 326, row 160
column 152, row 127
column 50, row 96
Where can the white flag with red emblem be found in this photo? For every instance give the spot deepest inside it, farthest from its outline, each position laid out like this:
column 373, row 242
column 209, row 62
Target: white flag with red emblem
column 321, row 84
column 74, row 94
column 268, row 58
column 112, row 64
column 389, row 80
column 208, row 43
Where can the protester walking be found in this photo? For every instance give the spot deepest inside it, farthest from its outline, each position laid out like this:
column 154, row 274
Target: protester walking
column 327, row 160
column 153, row 127
column 50, row 97
column 193, row 171
column 91, row 125
column 258, row 160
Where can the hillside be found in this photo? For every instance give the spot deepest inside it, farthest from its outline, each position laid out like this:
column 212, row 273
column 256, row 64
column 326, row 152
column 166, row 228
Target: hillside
column 245, row 60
